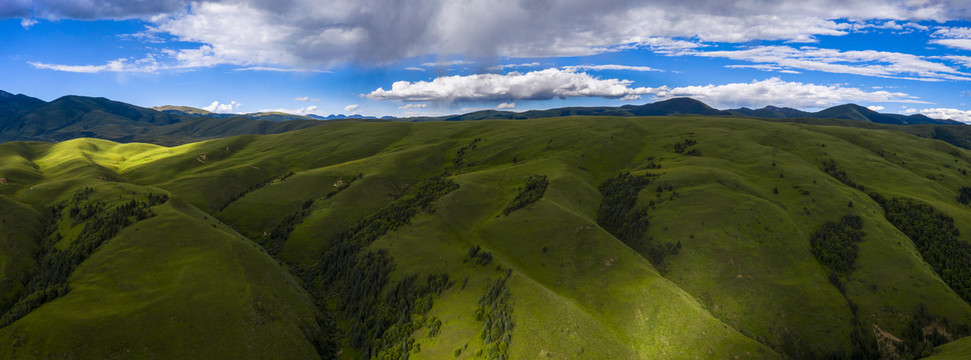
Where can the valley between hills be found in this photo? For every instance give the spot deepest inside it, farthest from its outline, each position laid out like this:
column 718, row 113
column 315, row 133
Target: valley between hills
column 592, row 237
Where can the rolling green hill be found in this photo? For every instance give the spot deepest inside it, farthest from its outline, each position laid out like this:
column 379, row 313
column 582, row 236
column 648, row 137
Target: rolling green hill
column 574, row 237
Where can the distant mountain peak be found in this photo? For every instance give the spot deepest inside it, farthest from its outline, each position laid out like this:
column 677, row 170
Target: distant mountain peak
column 181, row 109
column 781, row 109
column 676, row 106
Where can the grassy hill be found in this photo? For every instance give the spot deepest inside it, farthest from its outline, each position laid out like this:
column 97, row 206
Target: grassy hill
column 574, row 237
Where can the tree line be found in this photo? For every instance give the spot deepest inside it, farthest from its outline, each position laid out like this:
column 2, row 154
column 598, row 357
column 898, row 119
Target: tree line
column 49, row 279
column 495, row 313
column 248, row 190
column 529, row 193
column 834, row 244
column 354, row 278
column 936, row 238
column 274, row 241
column 621, row 217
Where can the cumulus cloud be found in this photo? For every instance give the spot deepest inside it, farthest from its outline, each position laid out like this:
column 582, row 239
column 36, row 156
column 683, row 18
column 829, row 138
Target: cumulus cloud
column 302, row 33
column 506, row 106
column 534, row 85
column 413, row 106
column 863, row 62
column 217, row 107
column 351, row 108
column 950, row 114
column 875, row 107
column 27, row 23
column 953, row 37
column 953, row 32
column 775, row 91
column 964, row 44
column 553, row 83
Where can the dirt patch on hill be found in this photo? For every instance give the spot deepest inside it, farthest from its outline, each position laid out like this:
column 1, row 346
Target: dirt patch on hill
column 886, row 342
column 3, row 181
column 201, row 158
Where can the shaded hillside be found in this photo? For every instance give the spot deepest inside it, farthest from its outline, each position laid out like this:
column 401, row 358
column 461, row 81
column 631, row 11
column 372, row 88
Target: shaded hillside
column 579, row 237
column 856, row 112
column 23, row 118
column 676, row 106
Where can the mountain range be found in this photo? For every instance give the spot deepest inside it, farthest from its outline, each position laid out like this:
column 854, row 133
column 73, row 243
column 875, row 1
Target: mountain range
column 24, row 118
column 269, row 116
column 688, row 106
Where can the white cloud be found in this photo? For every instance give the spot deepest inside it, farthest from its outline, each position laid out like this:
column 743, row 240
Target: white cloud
column 512, row 66
column 413, row 106
column 552, row 83
column 534, row 85
column 953, row 37
column 964, row 44
column 300, row 111
column 351, row 108
column 217, row 107
column 965, row 61
column 611, row 67
column 27, row 23
column 144, row 65
column 446, row 63
column 866, row 62
column 950, row 114
column 305, row 99
column 414, row 68
column 875, row 107
column 905, row 27
column 776, row 92
column 506, row 105
column 304, row 34
column 277, row 69
column 764, row 67
column 953, row 32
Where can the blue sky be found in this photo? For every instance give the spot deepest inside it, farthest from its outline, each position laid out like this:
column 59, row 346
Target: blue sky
column 433, row 57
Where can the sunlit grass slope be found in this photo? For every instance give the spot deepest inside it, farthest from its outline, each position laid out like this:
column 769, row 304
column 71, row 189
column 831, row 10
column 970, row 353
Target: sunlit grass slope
column 955, row 350
column 741, row 197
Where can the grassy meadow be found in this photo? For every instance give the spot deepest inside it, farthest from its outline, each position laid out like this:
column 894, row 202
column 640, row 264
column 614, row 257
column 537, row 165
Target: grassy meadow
column 738, row 198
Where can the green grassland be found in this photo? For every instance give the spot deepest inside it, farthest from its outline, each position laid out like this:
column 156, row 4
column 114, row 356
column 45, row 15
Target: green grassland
column 955, row 350
column 741, row 200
